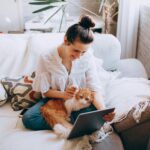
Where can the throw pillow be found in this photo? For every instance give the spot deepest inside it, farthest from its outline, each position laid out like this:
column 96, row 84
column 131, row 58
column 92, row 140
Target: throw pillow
column 20, row 91
column 3, row 95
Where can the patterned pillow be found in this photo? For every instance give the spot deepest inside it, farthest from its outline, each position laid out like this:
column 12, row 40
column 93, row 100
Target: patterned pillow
column 3, row 95
column 20, row 91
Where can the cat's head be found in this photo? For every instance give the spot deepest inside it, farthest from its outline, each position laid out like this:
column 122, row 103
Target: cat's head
column 84, row 95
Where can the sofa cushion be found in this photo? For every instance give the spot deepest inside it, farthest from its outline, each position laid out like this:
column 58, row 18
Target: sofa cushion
column 7, row 123
column 3, row 95
column 131, row 68
column 20, row 91
column 13, row 50
column 110, row 52
column 8, row 112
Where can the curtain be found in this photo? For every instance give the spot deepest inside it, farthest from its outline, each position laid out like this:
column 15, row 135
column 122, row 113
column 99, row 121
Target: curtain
column 127, row 27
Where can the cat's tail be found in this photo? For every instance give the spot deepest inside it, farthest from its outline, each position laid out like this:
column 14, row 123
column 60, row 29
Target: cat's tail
column 61, row 131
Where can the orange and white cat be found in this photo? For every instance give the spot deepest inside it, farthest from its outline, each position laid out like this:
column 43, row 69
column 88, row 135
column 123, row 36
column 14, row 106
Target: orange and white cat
column 56, row 112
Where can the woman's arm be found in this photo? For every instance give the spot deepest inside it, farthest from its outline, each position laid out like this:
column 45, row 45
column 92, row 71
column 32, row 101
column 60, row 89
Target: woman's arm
column 54, row 94
column 98, row 101
column 99, row 104
column 93, row 82
column 69, row 93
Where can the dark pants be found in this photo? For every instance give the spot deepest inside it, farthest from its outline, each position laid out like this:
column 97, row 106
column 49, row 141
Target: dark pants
column 32, row 118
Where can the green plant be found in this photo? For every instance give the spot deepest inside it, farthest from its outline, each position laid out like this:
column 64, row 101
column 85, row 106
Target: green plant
column 48, row 4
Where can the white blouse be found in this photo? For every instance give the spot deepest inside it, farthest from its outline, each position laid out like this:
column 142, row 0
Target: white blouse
column 52, row 74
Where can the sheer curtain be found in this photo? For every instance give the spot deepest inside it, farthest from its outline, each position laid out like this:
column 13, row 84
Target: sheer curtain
column 127, row 28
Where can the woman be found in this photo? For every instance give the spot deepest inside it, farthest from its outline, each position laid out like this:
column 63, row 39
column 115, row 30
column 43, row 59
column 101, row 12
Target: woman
column 65, row 68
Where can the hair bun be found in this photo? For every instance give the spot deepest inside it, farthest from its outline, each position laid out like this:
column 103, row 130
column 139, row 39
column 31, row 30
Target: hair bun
column 87, row 22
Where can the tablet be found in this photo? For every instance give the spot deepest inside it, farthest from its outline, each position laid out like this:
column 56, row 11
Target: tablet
column 88, row 122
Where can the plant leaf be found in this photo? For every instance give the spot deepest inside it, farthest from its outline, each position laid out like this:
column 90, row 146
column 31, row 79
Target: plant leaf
column 56, row 0
column 43, row 9
column 41, row 0
column 53, row 14
column 51, row 1
column 39, row 3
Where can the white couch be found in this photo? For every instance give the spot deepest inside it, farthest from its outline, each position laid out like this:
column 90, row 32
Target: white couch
column 19, row 55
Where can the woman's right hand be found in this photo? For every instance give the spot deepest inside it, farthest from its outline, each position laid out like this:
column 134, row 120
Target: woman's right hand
column 69, row 93
column 109, row 117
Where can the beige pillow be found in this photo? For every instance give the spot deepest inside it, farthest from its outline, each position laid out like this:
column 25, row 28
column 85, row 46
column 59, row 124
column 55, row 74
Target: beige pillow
column 20, row 91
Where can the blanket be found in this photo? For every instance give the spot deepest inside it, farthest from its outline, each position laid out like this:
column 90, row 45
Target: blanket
column 127, row 93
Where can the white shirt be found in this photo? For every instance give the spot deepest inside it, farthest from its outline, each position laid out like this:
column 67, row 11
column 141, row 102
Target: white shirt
column 52, row 74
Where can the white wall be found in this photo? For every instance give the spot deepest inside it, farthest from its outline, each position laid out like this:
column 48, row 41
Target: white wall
column 11, row 18
column 28, row 9
column 143, row 47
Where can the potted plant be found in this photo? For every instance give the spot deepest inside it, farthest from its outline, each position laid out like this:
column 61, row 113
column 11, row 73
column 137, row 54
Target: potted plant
column 48, row 4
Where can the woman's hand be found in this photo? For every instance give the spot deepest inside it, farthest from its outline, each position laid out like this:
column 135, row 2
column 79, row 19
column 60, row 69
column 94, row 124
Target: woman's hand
column 69, row 93
column 109, row 117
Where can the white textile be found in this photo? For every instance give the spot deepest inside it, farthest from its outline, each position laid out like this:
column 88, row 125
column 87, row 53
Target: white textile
column 126, row 93
column 51, row 73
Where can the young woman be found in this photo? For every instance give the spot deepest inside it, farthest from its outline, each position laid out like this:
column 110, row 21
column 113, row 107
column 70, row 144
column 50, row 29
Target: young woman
column 65, row 68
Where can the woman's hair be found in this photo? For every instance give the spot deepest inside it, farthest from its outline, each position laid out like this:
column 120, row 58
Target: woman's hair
column 81, row 31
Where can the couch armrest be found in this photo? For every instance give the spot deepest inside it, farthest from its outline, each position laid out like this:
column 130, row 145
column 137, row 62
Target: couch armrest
column 129, row 122
column 131, row 68
column 136, row 138
column 148, row 145
column 134, row 135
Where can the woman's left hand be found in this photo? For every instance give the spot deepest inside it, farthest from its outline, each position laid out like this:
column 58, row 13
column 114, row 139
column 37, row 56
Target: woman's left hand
column 109, row 117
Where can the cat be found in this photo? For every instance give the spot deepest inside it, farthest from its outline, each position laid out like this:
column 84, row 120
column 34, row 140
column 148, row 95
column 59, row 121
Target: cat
column 57, row 112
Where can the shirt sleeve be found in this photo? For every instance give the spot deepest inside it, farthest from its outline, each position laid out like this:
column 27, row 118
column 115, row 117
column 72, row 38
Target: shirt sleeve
column 42, row 81
column 92, row 79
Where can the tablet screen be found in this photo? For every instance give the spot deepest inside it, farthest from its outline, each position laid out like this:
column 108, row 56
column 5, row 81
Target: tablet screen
column 89, row 122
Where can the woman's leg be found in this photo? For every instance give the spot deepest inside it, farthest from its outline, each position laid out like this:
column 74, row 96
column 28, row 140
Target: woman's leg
column 75, row 114
column 32, row 119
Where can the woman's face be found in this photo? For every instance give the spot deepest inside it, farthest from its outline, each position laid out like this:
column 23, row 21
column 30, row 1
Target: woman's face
column 77, row 49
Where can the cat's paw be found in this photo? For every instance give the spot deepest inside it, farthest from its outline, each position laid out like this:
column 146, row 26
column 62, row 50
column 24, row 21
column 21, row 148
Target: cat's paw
column 68, row 118
column 61, row 131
